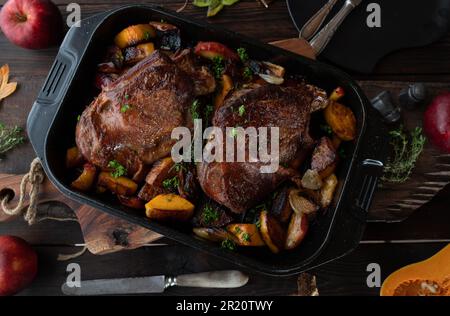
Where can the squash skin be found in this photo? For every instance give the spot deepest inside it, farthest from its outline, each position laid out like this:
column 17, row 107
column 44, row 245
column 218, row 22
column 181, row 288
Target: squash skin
column 435, row 269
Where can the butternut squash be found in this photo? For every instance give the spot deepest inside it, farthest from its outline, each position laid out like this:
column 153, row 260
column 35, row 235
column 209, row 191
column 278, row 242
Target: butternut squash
column 169, row 207
column 342, row 120
column 246, row 234
column 430, row 277
column 226, row 87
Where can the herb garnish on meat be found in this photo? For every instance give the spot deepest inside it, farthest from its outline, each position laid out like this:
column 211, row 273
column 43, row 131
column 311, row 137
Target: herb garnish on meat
column 118, row 169
column 228, row 244
column 218, row 66
column 171, row 184
column 210, row 214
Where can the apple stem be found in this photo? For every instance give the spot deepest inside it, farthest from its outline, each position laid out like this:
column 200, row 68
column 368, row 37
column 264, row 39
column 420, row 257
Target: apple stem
column 21, row 17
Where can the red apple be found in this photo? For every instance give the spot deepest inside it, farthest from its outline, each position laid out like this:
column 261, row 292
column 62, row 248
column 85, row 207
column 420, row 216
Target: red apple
column 32, row 24
column 210, row 50
column 18, row 265
column 437, row 121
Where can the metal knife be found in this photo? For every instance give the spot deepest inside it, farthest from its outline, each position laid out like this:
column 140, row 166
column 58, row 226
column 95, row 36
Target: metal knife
column 157, row 284
column 315, row 22
column 320, row 41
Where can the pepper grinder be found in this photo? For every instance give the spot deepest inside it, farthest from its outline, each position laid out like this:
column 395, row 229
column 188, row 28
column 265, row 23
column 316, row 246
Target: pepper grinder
column 383, row 104
column 414, row 95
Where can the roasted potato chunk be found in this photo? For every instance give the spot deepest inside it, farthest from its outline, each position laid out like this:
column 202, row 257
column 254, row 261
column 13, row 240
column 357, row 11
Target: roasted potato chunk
column 169, row 207
column 87, row 178
column 246, row 235
column 328, row 190
column 132, row 202
column 213, row 234
column 120, row 186
column 74, row 158
column 300, row 204
column 134, row 35
column 311, row 180
column 342, row 120
column 271, row 232
column 324, row 158
column 298, row 227
column 135, row 54
column 281, row 209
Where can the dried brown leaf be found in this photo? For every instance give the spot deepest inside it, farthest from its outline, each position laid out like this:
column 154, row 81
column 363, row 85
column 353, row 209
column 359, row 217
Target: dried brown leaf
column 6, row 89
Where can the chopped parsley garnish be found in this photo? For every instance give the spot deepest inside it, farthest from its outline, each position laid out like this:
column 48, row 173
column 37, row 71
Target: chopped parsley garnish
column 178, row 167
column 209, row 215
column 238, row 230
column 241, row 110
column 242, row 52
column 127, row 96
column 247, row 73
column 147, row 36
column 228, row 244
column 118, row 169
column 125, row 108
column 78, row 118
column 171, row 184
column 326, row 129
column 218, row 66
column 246, row 237
column 195, row 110
column 258, row 223
column 234, row 132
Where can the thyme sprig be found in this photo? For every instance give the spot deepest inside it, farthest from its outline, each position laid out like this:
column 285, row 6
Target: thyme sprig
column 406, row 149
column 10, row 137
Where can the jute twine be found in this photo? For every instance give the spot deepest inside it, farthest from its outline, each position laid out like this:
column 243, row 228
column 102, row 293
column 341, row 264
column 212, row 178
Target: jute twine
column 34, row 177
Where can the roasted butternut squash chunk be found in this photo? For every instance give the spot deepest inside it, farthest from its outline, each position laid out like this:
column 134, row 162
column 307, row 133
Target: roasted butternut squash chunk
column 272, row 233
column 87, row 178
column 342, row 120
column 246, row 234
column 169, row 207
column 120, row 185
column 134, row 35
column 73, row 158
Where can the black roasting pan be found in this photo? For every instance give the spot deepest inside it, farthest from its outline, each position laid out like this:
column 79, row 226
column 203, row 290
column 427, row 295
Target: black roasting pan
column 67, row 91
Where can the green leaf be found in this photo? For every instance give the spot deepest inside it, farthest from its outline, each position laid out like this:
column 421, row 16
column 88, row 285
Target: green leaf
column 201, row 3
column 215, row 7
column 229, row 2
column 118, row 169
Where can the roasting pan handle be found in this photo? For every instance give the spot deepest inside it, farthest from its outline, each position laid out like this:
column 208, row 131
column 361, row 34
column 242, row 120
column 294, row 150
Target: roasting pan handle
column 372, row 170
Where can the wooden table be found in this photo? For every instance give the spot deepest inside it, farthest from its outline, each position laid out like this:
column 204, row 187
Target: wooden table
column 389, row 245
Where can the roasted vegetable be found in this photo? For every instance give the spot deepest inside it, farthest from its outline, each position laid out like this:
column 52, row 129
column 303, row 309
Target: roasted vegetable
column 87, row 178
column 162, row 170
column 226, row 86
column 327, row 191
column 132, row 202
column 324, row 158
column 211, row 50
column 118, row 185
column 300, row 204
column 188, row 186
column 298, row 227
column 337, row 94
column 342, row 120
column 169, row 207
column 113, row 61
column 246, row 235
column 135, row 54
column 74, row 158
column 272, row 233
column 163, row 26
column 212, row 214
column 134, row 35
column 281, row 209
column 311, row 180
column 212, row 234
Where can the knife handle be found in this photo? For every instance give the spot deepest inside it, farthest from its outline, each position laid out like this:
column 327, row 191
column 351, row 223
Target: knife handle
column 315, row 22
column 217, row 279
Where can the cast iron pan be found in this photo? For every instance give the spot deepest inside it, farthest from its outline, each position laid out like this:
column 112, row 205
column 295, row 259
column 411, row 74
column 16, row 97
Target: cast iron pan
column 65, row 94
column 404, row 23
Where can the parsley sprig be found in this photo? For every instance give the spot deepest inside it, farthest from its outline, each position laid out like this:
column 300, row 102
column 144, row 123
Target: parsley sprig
column 118, row 169
column 210, row 215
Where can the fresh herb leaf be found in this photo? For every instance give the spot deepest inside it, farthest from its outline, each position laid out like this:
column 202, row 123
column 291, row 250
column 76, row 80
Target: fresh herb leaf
column 247, row 74
column 125, row 108
column 171, row 184
column 195, row 110
column 118, row 169
column 242, row 52
column 10, row 138
column 127, row 96
column 210, row 215
column 241, row 110
column 406, row 149
column 238, row 230
column 228, row 244
column 326, row 129
column 218, row 66
column 258, row 223
column 229, row 2
column 234, row 132
column 147, row 36
column 246, row 237
column 78, row 118
column 178, row 167
column 201, row 3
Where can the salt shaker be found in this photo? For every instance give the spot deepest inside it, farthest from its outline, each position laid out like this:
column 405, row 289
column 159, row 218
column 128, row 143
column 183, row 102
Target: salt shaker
column 383, row 104
column 412, row 96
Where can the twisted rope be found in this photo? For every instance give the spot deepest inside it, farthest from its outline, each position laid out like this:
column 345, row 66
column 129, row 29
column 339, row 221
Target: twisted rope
column 34, row 177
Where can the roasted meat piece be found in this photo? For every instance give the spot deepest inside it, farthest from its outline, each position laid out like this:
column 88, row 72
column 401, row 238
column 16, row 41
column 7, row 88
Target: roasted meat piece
column 240, row 186
column 132, row 119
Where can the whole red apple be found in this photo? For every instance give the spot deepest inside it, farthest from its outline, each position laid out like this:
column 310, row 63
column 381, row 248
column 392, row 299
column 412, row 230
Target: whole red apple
column 18, row 265
column 437, row 121
column 32, row 24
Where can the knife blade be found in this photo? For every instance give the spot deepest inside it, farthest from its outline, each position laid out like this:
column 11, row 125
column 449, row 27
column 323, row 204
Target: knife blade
column 157, row 284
